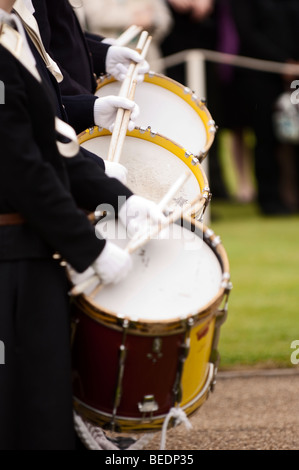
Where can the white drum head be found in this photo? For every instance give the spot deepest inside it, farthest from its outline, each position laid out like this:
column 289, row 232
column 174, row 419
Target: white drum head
column 152, row 169
column 171, row 278
column 165, row 107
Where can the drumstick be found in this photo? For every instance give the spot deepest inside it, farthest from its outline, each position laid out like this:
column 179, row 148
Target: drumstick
column 173, row 190
column 128, row 35
column 80, row 288
column 142, row 240
column 137, row 242
column 134, row 245
column 124, row 91
column 127, row 112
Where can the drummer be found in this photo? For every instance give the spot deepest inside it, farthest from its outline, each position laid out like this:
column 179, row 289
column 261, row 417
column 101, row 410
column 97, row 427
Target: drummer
column 81, row 58
column 43, row 182
column 82, row 110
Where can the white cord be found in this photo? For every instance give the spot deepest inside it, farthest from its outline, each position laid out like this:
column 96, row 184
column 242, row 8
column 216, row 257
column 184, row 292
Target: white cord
column 180, row 417
column 93, row 437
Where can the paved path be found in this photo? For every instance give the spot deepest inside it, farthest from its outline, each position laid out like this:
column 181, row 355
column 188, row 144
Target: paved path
column 257, row 410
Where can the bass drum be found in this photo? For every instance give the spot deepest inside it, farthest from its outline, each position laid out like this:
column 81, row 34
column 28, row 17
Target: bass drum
column 149, row 343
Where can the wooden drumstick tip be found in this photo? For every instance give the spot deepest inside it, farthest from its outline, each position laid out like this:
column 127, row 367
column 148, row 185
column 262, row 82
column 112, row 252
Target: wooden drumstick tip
column 82, row 286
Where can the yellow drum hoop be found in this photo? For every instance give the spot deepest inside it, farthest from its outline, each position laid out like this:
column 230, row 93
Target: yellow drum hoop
column 187, row 158
column 185, row 94
column 155, row 423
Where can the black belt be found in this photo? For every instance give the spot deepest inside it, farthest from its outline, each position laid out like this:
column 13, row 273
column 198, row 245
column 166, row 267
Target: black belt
column 11, row 219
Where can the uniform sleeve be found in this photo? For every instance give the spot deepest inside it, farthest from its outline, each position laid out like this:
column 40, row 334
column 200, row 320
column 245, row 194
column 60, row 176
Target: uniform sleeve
column 30, row 184
column 98, row 51
column 79, row 109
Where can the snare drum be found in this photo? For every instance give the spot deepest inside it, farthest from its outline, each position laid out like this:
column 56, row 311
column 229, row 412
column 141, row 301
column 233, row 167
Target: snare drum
column 149, row 343
column 154, row 163
column 170, row 109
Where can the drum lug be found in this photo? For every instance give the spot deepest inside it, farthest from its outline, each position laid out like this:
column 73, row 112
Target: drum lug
column 121, row 367
column 156, row 350
column 74, row 324
column 185, row 348
column 221, row 316
column 148, row 406
column 207, row 196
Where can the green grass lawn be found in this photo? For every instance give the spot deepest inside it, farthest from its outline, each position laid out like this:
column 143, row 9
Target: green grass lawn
column 263, row 315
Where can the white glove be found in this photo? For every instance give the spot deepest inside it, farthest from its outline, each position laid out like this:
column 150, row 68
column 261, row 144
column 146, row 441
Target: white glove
column 138, row 213
column 110, row 41
column 118, row 60
column 116, row 170
column 113, row 264
column 105, row 110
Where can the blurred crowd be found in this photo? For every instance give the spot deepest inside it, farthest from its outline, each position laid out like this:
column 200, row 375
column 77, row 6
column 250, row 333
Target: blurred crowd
column 253, row 106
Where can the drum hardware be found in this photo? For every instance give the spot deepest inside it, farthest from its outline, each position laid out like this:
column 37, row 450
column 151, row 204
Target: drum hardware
column 184, row 351
column 221, row 316
column 207, row 196
column 156, row 350
column 153, row 133
column 216, row 241
column 184, row 374
column 121, row 367
column 148, row 407
column 74, row 324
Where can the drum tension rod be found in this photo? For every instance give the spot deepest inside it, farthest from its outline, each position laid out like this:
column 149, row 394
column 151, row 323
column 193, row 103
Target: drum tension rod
column 121, row 367
column 185, row 348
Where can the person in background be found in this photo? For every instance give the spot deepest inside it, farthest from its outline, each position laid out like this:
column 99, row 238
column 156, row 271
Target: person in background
column 80, row 109
column 231, row 115
column 268, row 30
column 195, row 27
column 110, row 18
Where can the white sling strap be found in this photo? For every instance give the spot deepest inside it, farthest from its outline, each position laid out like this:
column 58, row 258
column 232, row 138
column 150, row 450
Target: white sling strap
column 32, row 28
column 13, row 41
column 71, row 148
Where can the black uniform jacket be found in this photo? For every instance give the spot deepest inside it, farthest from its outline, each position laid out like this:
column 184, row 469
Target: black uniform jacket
column 80, row 56
column 49, row 190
